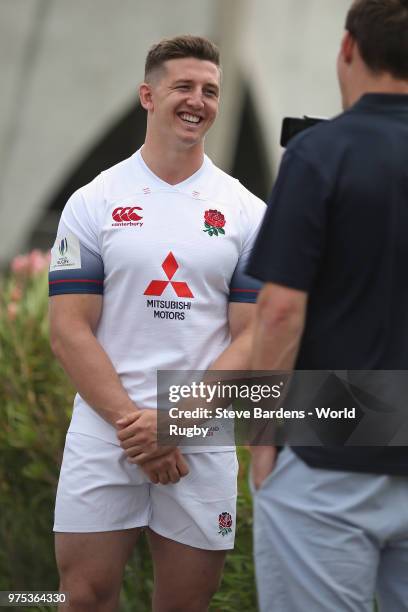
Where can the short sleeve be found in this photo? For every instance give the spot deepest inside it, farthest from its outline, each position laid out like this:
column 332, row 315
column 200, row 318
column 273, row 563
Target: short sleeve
column 292, row 237
column 76, row 263
column 243, row 288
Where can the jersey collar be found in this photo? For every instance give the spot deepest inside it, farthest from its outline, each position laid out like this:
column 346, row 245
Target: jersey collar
column 185, row 185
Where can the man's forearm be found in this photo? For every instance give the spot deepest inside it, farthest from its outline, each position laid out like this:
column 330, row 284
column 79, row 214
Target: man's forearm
column 93, row 374
column 278, row 331
column 237, row 356
column 275, row 347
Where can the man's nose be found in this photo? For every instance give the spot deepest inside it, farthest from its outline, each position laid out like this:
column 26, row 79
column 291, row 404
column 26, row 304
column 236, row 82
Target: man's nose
column 195, row 99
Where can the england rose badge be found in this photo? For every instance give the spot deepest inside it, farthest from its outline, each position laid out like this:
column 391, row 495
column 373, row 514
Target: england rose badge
column 214, row 222
column 224, row 523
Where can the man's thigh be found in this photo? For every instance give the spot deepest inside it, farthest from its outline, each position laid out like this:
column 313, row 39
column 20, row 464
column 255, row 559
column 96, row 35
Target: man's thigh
column 191, row 527
column 312, row 551
column 98, row 490
column 200, row 510
column 94, row 561
column 185, row 577
column 102, row 502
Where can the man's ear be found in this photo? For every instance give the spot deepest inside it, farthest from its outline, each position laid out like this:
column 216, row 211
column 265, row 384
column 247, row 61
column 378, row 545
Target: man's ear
column 145, row 96
column 347, row 49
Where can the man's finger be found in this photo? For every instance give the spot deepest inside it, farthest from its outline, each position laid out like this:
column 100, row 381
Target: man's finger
column 128, row 419
column 182, row 467
column 133, row 451
column 151, row 455
column 163, row 477
column 136, row 441
column 174, row 474
column 146, row 456
column 128, row 432
column 153, row 476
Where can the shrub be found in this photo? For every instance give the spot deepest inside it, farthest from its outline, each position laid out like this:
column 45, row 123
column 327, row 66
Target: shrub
column 35, row 400
column 35, row 405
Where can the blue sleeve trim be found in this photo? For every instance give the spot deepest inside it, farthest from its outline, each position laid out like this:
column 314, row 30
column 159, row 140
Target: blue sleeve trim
column 85, row 276
column 75, row 285
column 244, row 295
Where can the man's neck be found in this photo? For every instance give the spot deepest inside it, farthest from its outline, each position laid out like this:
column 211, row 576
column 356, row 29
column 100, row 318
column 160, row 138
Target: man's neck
column 172, row 166
column 384, row 83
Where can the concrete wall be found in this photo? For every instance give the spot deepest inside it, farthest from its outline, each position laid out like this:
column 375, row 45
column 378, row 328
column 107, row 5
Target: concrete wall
column 70, row 70
column 291, row 50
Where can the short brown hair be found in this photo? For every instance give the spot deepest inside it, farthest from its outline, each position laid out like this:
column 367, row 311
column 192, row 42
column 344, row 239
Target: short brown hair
column 180, row 47
column 380, row 29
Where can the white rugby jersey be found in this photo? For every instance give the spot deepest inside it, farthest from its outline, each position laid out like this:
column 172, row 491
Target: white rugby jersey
column 168, row 259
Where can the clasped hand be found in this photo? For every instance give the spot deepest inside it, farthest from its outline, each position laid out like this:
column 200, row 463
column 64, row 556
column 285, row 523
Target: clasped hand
column 137, row 434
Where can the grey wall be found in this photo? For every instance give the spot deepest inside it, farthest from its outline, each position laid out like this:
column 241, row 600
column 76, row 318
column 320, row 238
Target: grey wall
column 70, row 70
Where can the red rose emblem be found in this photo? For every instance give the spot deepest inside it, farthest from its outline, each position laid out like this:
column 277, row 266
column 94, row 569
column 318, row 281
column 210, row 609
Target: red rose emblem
column 225, row 520
column 214, row 221
column 214, row 218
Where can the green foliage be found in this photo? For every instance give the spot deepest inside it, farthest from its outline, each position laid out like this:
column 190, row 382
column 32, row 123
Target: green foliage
column 238, row 585
column 35, row 400
column 35, row 405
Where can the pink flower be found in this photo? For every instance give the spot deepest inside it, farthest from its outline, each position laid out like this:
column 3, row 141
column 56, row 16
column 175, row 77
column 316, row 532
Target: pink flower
column 16, row 293
column 32, row 264
column 20, row 265
column 12, row 310
column 37, row 262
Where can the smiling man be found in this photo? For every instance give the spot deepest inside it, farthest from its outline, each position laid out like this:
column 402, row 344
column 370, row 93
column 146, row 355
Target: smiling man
column 146, row 274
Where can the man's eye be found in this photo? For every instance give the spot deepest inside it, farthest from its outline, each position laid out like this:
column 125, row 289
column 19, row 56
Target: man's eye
column 211, row 92
column 182, row 87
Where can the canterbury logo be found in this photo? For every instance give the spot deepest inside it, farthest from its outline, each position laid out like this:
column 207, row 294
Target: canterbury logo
column 126, row 214
column 170, row 266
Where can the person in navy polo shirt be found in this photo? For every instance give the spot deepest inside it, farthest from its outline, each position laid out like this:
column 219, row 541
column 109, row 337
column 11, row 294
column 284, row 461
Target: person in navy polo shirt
column 331, row 524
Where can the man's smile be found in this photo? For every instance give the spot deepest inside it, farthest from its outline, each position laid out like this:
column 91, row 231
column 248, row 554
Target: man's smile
column 190, row 118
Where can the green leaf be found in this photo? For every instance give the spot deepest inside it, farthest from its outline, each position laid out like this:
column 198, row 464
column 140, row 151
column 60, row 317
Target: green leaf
column 210, row 233
column 215, row 231
column 207, row 225
column 221, row 230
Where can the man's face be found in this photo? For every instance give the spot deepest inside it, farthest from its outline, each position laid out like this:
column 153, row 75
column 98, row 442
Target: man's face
column 184, row 100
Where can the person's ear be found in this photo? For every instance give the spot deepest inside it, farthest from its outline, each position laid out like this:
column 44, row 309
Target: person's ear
column 347, row 48
column 145, row 96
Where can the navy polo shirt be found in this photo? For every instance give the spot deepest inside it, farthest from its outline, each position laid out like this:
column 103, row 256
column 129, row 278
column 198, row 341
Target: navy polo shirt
column 337, row 228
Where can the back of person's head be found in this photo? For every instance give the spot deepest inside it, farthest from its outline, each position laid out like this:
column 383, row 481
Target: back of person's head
column 380, row 29
column 180, row 47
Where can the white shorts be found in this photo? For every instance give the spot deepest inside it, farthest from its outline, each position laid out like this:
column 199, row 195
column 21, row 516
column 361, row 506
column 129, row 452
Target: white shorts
column 99, row 490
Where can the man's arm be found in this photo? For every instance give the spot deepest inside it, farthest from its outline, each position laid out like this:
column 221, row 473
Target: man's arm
column 73, row 321
column 280, row 318
column 279, row 324
column 236, row 356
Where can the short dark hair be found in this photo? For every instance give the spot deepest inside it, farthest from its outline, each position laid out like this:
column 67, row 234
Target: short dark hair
column 380, row 29
column 180, row 47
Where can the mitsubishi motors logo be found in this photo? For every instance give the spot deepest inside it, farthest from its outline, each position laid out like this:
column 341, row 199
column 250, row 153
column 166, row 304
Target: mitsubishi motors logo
column 170, row 266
